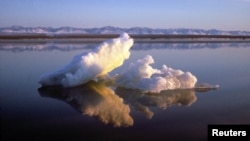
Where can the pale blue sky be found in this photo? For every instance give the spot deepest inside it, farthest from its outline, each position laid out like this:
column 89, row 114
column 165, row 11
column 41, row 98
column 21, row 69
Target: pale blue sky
column 202, row 14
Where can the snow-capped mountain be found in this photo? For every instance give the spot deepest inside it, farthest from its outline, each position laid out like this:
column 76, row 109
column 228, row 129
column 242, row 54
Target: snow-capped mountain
column 116, row 30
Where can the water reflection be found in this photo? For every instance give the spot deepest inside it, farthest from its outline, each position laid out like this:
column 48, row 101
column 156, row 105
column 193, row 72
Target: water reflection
column 93, row 99
column 190, row 45
column 50, row 46
column 142, row 102
column 26, row 46
column 112, row 107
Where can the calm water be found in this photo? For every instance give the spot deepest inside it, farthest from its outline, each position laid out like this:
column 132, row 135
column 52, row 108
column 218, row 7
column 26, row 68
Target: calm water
column 95, row 111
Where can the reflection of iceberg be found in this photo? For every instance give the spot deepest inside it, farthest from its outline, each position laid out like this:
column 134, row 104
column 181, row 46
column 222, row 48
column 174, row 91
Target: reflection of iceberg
column 93, row 99
column 142, row 102
column 87, row 66
column 171, row 97
column 205, row 87
column 131, row 96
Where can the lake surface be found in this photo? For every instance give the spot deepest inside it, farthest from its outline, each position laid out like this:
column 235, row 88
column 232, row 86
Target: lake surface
column 96, row 111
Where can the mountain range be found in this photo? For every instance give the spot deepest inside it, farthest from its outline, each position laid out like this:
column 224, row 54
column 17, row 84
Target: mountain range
column 116, row 30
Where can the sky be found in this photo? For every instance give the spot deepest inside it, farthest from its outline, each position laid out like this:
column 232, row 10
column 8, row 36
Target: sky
column 199, row 14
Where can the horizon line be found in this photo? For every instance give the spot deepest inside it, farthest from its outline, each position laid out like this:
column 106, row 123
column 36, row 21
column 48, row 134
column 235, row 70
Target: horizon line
column 154, row 28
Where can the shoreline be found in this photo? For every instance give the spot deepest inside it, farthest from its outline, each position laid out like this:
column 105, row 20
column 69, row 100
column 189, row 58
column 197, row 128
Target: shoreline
column 137, row 37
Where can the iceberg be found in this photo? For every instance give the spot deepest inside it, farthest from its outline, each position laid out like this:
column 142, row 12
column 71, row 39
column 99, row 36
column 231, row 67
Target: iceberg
column 141, row 75
column 97, row 63
column 91, row 65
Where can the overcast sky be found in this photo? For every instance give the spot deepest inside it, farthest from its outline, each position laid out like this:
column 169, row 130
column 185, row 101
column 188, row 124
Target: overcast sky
column 202, row 14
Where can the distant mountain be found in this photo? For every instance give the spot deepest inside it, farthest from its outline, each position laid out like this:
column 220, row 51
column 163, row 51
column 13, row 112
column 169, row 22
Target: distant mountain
column 116, row 30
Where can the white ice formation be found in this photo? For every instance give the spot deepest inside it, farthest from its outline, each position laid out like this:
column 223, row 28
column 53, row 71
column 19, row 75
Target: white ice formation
column 110, row 55
column 87, row 66
column 141, row 75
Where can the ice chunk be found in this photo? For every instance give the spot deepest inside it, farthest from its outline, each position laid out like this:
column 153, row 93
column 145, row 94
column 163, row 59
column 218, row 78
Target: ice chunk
column 141, row 75
column 90, row 65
